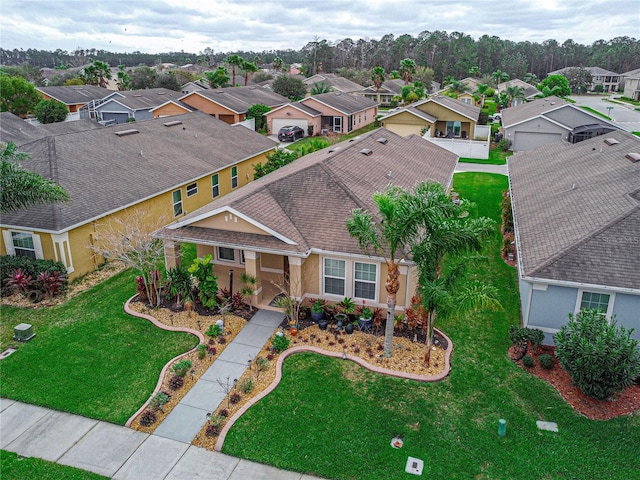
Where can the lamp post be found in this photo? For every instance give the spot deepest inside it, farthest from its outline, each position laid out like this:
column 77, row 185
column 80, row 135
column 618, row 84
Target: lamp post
column 231, row 281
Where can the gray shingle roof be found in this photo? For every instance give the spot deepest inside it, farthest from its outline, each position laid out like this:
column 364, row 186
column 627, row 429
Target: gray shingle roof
column 75, row 94
column 462, row 108
column 147, row 98
column 344, row 102
column 104, row 172
column 577, row 211
column 240, row 99
column 309, row 200
column 529, row 90
column 14, row 129
column 529, row 110
column 338, row 83
column 592, row 70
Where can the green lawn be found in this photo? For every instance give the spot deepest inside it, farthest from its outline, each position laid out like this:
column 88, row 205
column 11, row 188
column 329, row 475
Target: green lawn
column 88, row 356
column 310, row 144
column 335, row 420
column 497, row 156
column 595, row 112
column 20, row 468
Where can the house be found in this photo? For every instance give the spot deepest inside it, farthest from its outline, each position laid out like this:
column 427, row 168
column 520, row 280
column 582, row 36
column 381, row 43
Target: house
column 231, row 104
column 336, row 82
column 327, row 112
column 609, row 80
column 576, row 210
column 388, row 90
column 529, row 90
column 195, row 86
column 74, row 97
column 549, row 120
column 440, row 115
column 632, row 84
column 15, row 129
column 136, row 105
column 161, row 168
column 291, row 222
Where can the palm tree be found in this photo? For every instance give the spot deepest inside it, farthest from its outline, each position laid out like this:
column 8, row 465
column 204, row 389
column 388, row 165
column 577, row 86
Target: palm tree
column 124, row 80
column 499, row 76
column 407, row 70
column 395, row 75
column 235, row 61
column 482, row 92
column 514, row 91
column 457, row 87
column 474, row 71
column 319, row 88
column 21, row 188
column 531, row 78
column 248, row 67
column 219, row 78
column 277, row 64
column 98, row 73
column 377, row 78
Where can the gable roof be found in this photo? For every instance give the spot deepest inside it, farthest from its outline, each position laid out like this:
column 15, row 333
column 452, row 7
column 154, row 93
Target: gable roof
column 307, row 202
column 631, row 73
column 413, row 111
column 15, row 129
column 146, row 99
column 338, row 83
column 105, row 172
column 240, row 99
column 343, row 102
column 391, row 86
column 577, row 211
column 592, row 70
column 73, row 95
column 452, row 104
column 529, row 90
column 305, row 109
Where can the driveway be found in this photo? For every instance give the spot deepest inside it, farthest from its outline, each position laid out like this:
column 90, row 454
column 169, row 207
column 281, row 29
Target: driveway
column 622, row 114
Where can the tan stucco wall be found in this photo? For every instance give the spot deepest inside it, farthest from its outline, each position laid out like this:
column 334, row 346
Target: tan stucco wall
column 445, row 115
column 227, row 221
column 168, row 110
column 311, row 275
column 403, row 129
column 205, row 105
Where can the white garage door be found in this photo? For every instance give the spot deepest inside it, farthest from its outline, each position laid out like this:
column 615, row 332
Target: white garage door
column 531, row 140
column 278, row 123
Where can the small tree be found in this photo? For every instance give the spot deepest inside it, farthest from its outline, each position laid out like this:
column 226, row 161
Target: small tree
column 50, row 111
column 601, row 357
column 277, row 159
column 202, row 270
column 257, row 111
column 292, row 88
column 17, row 95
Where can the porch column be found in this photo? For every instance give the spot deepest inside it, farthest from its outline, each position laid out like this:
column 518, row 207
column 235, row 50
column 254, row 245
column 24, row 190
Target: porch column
column 296, row 289
column 252, row 268
column 172, row 254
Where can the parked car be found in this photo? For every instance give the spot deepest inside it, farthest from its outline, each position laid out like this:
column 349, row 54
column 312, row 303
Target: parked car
column 290, row 133
column 496, row 117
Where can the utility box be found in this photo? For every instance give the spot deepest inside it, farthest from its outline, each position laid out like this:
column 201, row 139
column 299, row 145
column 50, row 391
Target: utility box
column 23, row 332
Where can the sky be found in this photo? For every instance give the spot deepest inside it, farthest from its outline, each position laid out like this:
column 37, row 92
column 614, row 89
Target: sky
column 156, row 26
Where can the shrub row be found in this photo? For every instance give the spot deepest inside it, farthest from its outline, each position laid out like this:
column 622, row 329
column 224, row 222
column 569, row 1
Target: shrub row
column 10, row 263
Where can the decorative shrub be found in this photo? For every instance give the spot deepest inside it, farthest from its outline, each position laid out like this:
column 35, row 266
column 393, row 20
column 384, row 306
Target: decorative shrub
column 528, row 361
column 546, row 361
column 224, row 413
column 222, row 340
column 237, row 301
column 213, row 430
column 536, row 337
column 202, row 351
column 214, row 331
column 247, row 385
column 52, row 283
column 10, row 263
column 181, row 368
column 158, row 401
column 504, row 144
column 235, row 398
column 148, row 418
column 262, row 364
column 280, row 343
column 176, row 382
column 20, row 281
column 202, row 270
column 601, row 357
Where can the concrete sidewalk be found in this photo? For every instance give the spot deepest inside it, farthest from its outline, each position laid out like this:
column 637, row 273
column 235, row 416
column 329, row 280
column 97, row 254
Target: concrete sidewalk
column 482, row 168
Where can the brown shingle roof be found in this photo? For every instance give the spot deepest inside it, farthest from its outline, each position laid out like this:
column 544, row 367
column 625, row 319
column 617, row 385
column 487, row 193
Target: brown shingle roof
column 577, row 211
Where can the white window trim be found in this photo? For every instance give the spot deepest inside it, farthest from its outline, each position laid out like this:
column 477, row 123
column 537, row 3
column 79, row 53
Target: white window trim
column 226, row 260
column 612, row 299
column 346, row 276
column 234, row 177
column 10, row 248
column 217, row 185
column 176, row 203
column 192, row 191
column 349, row 279
column 375, row 284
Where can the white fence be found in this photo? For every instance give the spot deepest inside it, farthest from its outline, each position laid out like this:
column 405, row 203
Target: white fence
column 463, row 148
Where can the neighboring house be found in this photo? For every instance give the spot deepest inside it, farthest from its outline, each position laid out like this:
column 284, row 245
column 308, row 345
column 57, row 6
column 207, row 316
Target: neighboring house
column 74, row 97
column 327, row 112
column 388, row 90
column 159, row 168
column 136, row 105
column 15, row 129
column 609, row 80
column 291, row 223
column 336, row 82
column 549, row 120
column 440, row 115
column 632, row 84
column 576, row 211
column 195, row 86
column 530, row 91
column 231, row 104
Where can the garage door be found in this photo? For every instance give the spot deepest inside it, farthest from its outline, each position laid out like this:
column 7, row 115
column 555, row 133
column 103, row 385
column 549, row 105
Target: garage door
column 531, row 140
column 117, row 116
column 278, row 123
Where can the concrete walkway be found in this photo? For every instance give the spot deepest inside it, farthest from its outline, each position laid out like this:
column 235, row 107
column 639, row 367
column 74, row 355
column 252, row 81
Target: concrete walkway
column 122, row 453
column 482, row 168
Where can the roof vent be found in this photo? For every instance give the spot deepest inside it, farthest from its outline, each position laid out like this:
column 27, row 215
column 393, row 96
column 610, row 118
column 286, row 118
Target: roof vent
column 633, row 156
column 354, row 139
column 334, row 149
column 366, row 151
column 172, row 124
column 137, row 94
column 382, row 140
column 611, row 141
column 124, row 133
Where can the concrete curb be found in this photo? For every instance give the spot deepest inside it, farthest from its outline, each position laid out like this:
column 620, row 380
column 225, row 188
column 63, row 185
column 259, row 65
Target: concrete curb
column 163, row 372
column 358, row 360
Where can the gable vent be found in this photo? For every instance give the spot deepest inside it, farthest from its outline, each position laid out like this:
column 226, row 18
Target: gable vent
column 124, row 133
column 633, row 156
column 172, row 124
column 382, row 140
column 366, row 151
column 611, row 141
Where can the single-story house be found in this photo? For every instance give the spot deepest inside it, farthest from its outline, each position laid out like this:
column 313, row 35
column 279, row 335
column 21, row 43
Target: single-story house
column 231, row 104
column 129, row 105
column 388, row 90
column 161, row 168
column 336, row 82
column 530, row 91
column 549, row 120
column 195, row 86
column 327, row 112
column 74, row 97
column 576, row 211
column 15, row 129
column 291, row 224
column 609, row 80
column 442, row 116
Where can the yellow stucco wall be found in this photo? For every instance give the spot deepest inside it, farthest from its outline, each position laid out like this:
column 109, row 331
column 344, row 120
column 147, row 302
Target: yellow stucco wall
column 443, row 115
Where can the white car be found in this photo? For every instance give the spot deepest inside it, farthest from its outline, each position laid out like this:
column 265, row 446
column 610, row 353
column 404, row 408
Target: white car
column 497, row 117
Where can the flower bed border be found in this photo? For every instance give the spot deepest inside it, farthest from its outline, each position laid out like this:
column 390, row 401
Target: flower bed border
column 163, row 372
column 354, row 358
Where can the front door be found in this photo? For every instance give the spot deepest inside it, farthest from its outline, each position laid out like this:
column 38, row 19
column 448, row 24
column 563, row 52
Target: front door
column 337, row 124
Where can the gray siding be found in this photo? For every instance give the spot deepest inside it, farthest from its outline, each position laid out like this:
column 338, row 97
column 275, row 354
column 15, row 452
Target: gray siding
column 572, row 117
column 626, row 308
column 521, row 135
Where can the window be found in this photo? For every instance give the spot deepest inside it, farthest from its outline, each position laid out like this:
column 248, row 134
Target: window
column 226, row 254
column 596, row 301
column 215, row 186
column 466, row 100
column 23, row 245
column 242, row 257
column 234, row 177
column 364, row 281
column 177, row 203
column 192, row 189
column 334, row 276
column 454, row 128
column 337, row 124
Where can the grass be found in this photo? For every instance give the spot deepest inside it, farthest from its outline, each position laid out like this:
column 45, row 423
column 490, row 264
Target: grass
column 637, row 134
column 335, row 420
column 311, row 144
column 595, row 112
column 20, row 468
column 88, row 356
column 497, row 156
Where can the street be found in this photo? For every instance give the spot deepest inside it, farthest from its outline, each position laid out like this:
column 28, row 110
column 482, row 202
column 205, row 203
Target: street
column 623, row 115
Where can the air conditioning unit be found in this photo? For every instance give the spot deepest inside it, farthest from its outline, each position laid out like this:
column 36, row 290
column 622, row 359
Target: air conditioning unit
column 23, row 332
